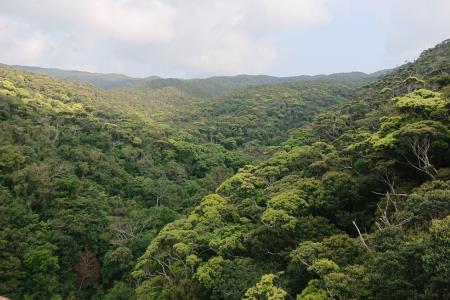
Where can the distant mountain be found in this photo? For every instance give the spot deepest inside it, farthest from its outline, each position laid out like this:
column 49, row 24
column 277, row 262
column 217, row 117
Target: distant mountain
column 219, row 85
column 206, row 87
column 107, row 81
column 381, row 72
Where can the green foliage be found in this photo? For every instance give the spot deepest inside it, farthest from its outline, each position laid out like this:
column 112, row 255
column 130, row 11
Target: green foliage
column 242, row 185
column 323, row 266
column 339, row 190
column 29, row 266
column 437, row 257
column 120, row 291
column 226, row 279
column 265, row 289
column 106, row 198
column 430, row 201
column 313, row 292
column 97, row 178
column 422, row 102
column 340, row 207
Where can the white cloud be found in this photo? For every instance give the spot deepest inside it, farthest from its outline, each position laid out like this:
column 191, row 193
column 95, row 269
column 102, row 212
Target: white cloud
column 21, row 41
column 410, row 26
column 286, row 14
column 416, row 25
column 197, row 37
column 231, row 53
column 236, row 36
column 144, row 22
column 127, row 21
column 201, row 37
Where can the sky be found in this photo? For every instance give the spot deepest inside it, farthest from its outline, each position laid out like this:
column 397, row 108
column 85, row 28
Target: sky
column 201, row 38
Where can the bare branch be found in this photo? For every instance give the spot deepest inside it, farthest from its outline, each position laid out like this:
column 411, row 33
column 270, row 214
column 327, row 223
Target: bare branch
column 360, row 236
column 420, row 147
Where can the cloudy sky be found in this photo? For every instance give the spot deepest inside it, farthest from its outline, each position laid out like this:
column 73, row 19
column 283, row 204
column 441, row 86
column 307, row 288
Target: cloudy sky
column 200, row 38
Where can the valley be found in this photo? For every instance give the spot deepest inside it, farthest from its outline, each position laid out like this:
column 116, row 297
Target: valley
column 229, row 187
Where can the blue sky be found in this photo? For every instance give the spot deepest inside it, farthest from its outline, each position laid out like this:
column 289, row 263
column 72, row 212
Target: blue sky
column 200, row 38
column 341, row 45
column 362, row 37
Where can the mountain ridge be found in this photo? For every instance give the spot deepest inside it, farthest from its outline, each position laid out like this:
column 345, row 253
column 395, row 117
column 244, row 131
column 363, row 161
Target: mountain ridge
column 118, row 80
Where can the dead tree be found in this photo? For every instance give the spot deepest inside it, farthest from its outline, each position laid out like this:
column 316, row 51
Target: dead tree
column 127, row 230
column 420, row 146
column 392, row 201
column 87, row 269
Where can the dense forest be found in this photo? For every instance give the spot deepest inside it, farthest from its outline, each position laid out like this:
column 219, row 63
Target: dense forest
column 328, row 187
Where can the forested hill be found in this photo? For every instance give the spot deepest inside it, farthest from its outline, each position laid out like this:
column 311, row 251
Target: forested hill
column 355, row 205
column 314, row 189
column 207, row 87
column 80, row 179
column 88, row 178
column 214, row 86
column 107, row 81
column 262, row 115
column 244, row 120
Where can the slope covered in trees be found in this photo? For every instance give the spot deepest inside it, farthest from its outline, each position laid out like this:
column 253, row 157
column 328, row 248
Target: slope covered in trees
column 87, row 180
column 214, row 86
column 205, row 87
column 262, row 115
column 245, row 119
column 107, row 81
column 78, row 180
column 162, row 192
column 354, row 205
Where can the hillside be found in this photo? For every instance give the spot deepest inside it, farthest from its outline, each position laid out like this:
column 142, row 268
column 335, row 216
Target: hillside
column 87, row 179
column 213, row 86
column 227, row 188
column 262, row 115
column 354, row 205
column 245, row 119
column 207, row 87
column 224, row 150
column 107, row 81
column 75, row 173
